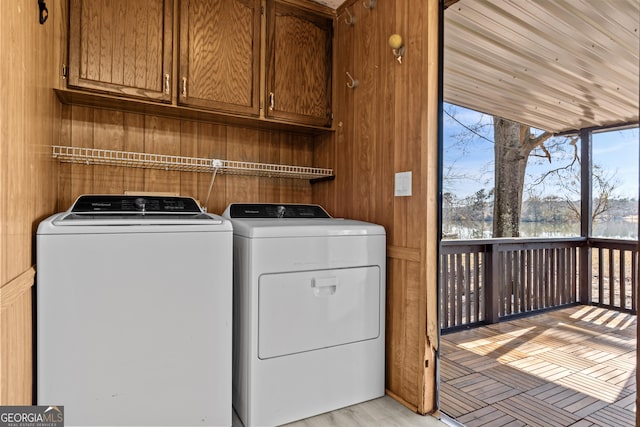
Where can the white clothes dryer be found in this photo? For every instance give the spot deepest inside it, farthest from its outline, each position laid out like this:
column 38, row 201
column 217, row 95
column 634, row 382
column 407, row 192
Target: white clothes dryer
column 309, row 312
column 134, row 301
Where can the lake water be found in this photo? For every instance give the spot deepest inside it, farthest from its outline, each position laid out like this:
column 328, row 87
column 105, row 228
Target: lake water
column 614, row 229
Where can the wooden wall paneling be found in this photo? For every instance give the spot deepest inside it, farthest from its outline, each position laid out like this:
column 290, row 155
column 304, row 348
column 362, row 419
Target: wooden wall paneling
column 44, row 130
column 28, row 125
column 345, row 154
column 324, row 158
column 134, row 130
column 243, row 145
column 189, row 133
column 270, row 188
column 4, row 166
column 383, row 121
column 16, row 337
column 404, row 153
column 364, row 165
column 15, row 97
column 413, row 379
column 396, row 335
column 301, row 155
column 108, row 134
column 81, row 136
column 17, row 342
column 430, row 171
column 294, row 150
column 212, row 144
column 337, row 196
column 162, row 136
column 64, row 178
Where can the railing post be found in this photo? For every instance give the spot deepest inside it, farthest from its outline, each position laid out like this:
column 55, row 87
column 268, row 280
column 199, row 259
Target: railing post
column 586, row 172
column 492, row 284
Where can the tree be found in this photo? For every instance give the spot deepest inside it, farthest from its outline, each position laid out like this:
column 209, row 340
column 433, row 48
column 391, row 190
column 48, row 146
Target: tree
column 604, row 183
column 515, row 146
column 514, row 143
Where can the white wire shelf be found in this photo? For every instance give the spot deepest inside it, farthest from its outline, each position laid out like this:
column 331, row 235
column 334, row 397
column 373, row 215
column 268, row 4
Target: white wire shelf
column 96, row 156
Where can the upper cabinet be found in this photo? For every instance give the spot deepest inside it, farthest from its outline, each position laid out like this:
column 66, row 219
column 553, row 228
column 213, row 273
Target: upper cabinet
column 122, row 47
column 299, row 64
column 220, row 55
column 260, row 62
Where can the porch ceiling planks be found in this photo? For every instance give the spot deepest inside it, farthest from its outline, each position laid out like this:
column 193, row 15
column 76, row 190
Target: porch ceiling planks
column 574, row 365
column 555, row 65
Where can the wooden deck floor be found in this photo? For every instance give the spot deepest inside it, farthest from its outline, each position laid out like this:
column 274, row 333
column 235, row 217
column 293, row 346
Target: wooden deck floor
column 571, row 367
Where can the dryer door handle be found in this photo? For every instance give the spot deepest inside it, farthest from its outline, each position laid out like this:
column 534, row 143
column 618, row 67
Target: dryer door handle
column 324, row 286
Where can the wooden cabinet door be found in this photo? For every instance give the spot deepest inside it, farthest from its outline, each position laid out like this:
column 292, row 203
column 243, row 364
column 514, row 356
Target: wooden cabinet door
column 220, row 55
column 122, row 47
column 299, row 62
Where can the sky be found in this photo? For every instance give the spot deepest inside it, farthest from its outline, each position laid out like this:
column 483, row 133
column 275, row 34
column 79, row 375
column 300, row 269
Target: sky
column 468, row 157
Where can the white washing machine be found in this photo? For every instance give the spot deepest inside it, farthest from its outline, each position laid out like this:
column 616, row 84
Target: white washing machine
column 134, row 312
column 309, row 312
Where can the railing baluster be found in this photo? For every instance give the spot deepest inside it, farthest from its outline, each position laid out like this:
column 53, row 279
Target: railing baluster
column 536, row 278
column 612, row 277
column 459, row 289
column 517, row 278
column 529, row 282
column 601, row 275
column 450, row 290
column 634, row 280
column 623, row 266
column 492, row 293
column 478, row 294
column 467, row 288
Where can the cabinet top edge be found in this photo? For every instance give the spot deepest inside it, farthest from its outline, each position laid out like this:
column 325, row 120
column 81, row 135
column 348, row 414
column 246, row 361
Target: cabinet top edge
column 312, row 7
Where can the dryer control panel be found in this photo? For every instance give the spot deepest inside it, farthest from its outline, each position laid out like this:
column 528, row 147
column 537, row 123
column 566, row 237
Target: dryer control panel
column 274, row 210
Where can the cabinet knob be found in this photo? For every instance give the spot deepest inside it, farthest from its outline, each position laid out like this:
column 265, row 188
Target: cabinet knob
column 272, row 101
column 184, row 87
column 167, row 84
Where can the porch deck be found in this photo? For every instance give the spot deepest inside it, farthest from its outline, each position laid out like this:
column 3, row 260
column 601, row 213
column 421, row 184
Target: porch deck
column 570, row 367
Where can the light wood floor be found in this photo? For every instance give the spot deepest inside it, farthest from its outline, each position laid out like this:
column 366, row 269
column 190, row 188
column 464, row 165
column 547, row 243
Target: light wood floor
column 382, row 412
column 571, row 367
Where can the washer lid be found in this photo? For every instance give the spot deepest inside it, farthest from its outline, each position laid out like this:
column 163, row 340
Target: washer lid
column 258, row 221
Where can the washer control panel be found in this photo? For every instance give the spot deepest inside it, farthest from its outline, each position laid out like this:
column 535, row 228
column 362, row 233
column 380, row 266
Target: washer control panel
column 274, row 210
column 135, row 204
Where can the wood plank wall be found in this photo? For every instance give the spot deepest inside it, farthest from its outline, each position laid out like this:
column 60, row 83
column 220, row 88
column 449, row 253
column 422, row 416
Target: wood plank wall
column 117, row 130
column 29, row 122
column 389, row 124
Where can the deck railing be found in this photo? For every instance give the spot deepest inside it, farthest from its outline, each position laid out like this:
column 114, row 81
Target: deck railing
column 483, row 281
column 615, row 274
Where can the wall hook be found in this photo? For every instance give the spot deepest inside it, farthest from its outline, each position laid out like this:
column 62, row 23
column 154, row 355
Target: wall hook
column 397, row 46
column 44, row 12
column 353, row 83
column 350, row 19
column 370, row 5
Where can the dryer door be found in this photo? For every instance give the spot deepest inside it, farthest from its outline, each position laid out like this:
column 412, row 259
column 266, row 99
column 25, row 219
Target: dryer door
column 310, row 310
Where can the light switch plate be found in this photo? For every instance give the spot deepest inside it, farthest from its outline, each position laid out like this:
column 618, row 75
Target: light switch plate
column 403, row 184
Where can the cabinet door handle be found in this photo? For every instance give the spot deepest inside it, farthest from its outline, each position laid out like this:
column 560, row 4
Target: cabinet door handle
column 184, row 87
column 167, row 84
column 272, row 101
